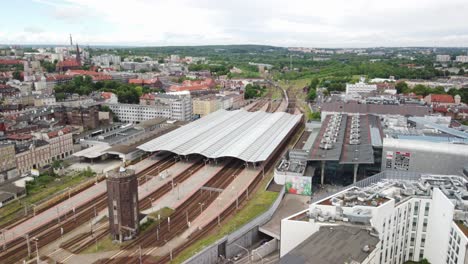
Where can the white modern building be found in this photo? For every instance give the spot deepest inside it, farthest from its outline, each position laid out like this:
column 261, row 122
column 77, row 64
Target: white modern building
column 106, row 60
column 360, row 88
column 462, row 59
column 175, row 107
column 413, row 216
column 443, row 58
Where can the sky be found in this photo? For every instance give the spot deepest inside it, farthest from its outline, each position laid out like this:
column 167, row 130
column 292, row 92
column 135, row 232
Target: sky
column 298, row 23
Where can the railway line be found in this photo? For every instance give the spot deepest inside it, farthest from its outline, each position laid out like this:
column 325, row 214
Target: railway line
column 168, row 229
column 17, row 249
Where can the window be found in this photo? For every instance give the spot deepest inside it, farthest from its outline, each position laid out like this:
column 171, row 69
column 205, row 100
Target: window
column 426, row 209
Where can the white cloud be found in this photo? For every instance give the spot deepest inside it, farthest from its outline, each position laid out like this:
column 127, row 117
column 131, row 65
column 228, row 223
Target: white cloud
column 331, row 23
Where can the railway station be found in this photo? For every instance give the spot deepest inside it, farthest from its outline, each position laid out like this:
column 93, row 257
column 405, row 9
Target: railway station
column 249, row 136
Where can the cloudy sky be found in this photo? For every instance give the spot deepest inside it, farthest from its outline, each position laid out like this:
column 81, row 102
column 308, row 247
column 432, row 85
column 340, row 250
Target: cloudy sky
column 309, row 23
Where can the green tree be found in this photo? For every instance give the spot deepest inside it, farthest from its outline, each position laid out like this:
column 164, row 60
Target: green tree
column 314, row 83
column 17, row 75
column 402, row 87
column 420, row 89
column 312, row 94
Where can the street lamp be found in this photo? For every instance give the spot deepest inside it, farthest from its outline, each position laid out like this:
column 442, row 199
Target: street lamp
column 36, row 240
column 201, row 207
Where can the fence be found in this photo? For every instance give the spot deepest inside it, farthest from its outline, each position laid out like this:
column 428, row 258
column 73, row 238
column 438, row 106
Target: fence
column 210, row 253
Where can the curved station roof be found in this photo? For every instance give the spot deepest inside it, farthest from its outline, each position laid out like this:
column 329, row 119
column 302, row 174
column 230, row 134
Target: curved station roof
column 249, row 136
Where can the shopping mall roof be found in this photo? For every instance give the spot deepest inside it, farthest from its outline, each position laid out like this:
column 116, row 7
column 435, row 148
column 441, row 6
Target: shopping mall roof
column 249, row 136
column 348, row 139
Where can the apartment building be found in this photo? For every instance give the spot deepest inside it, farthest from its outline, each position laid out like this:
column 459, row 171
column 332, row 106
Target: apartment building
column 207, row 104
column 360, row 88
column 33, row 154
column 170, row 106
column 7, row 162
column 414, row 216
column 462, row 59
column 443, row 58
column 60, row 142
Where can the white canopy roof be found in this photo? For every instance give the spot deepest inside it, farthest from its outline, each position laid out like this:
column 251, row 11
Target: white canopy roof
column 249, row 136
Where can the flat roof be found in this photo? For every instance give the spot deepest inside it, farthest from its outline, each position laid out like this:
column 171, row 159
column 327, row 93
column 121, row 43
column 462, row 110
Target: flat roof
column 333, row 244
column 334, row 154
column 404, row 109
column 447, row 130
column 342, row 149
column 92, row 152
column 128, row 148
column 249, row 136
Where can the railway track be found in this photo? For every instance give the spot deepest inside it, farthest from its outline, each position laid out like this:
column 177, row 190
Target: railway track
column 18, row 249
column 78, row 244
column 167, row 230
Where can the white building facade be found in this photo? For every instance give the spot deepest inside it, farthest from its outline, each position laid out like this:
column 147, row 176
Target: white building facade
column 415, row 219
column 175, row 107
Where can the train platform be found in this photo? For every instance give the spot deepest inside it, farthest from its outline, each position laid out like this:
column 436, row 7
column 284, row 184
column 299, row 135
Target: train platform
column 224, row 200
column 183, row 191
column 58, row 211
column 156, row 182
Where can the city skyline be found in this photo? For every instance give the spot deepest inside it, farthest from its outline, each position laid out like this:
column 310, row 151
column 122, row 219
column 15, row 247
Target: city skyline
column 330, row 24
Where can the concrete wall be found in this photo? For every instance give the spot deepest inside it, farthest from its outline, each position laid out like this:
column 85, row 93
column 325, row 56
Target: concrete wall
column 265, row 250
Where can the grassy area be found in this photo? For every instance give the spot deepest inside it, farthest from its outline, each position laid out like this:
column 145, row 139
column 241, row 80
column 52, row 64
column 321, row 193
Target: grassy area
column 258, row 204
column 103, row 244
column 42, row 188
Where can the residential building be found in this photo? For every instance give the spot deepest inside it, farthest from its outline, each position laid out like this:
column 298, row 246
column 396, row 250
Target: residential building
column 439, row 99
column 413, row 216
column 106, row 60
column 197, row 85
column 151, row 83
column 60, row 142
column 170, row 106
column 462, row 59
column 205, row 105
column 7, row 162
column 443, row 58
column 33, row 154
column 44, row 100
column 360, row 88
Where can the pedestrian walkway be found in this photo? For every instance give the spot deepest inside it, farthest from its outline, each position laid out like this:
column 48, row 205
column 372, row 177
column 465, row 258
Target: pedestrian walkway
column 56, row 212
column 224, row 200
column 183, row 191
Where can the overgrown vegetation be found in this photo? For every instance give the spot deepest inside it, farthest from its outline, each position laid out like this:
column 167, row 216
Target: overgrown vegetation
column 258, row 204
column 84, row 85
column 41, row 188
column 254, row 91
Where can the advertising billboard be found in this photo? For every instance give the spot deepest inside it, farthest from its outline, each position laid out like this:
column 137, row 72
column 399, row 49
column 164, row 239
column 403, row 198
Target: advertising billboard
column 298, row 185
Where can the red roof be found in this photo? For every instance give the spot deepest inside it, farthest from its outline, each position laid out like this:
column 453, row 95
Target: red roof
column 147, row 96
column 441, row 98
column 58, row 77
column 11, row 62
column 83, row 72
column 102, row 77
column 143, row 81
column 55, row 133
column 106, row 95
column 68, row 63
column 20, row 137
column 198, row 85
